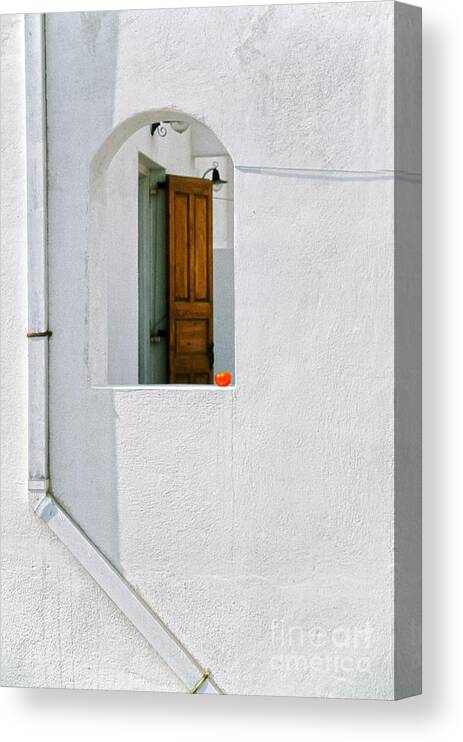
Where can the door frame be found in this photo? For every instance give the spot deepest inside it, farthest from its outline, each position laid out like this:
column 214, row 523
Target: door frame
column 152, row 251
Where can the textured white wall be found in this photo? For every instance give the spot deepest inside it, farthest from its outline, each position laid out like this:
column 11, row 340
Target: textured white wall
column 259, row 521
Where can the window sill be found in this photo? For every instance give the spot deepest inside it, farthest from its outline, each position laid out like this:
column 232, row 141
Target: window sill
column 165, row 387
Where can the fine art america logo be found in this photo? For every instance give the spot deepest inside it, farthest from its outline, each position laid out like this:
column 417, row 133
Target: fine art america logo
column 316, row 649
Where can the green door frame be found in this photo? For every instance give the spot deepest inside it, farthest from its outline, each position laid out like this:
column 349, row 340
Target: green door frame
column 152, row 274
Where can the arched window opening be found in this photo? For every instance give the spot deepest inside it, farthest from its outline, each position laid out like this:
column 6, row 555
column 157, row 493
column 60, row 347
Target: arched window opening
column 167, row 227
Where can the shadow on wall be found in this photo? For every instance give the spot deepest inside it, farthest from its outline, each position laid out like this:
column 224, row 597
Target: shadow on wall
column 86, row 481
column 86, row 473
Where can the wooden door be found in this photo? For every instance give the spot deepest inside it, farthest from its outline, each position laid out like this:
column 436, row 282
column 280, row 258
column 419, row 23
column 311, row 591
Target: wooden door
column 191, row 356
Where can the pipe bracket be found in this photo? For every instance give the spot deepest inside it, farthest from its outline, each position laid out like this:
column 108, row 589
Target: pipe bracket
column 201, row 680
column 44, row 334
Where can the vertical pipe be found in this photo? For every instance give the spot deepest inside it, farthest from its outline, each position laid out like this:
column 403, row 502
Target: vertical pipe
column 38, row 339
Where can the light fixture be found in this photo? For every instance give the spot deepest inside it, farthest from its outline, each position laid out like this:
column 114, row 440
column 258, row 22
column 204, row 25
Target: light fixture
column 177, row 125
column 217, row 181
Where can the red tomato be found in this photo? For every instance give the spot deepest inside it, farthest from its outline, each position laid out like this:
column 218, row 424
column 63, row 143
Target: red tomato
column 223, row 378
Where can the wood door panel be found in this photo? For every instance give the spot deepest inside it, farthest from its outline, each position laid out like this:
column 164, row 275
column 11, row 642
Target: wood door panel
column 190, row 280
column 201, row 379
column 185, row 310
column 185, row 365
column 182, row 379
column 201, row 264
column 191, row 336
column 181, row 256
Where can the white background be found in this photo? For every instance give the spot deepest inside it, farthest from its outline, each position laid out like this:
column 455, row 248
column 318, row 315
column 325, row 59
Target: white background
column 79, row 715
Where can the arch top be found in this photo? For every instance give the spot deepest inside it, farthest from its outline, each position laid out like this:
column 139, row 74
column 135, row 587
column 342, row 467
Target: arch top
column 126, row 128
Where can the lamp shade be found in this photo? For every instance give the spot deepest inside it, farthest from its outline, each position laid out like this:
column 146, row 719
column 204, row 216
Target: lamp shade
column 179, row 126
column 217, row 181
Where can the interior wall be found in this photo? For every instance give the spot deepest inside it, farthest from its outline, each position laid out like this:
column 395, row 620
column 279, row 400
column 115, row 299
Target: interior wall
column 119, row 236
column 223, row 255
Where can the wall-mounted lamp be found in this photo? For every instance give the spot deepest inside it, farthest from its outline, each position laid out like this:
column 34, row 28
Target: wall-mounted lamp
column 178, row 126
column 217, row 181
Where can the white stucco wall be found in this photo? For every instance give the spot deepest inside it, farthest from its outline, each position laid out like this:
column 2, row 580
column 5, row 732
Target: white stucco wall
column 259, row 522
